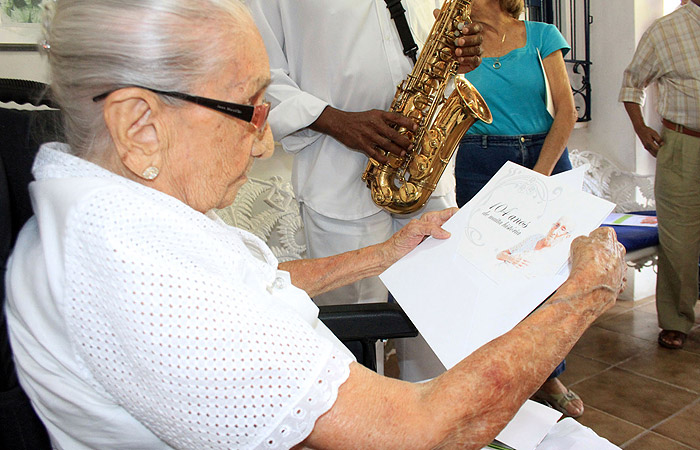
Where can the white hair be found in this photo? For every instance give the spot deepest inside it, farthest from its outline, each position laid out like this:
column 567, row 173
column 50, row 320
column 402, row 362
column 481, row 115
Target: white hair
column 95, row 46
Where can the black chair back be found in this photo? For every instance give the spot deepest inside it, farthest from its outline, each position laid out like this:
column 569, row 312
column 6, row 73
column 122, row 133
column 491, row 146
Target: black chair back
column 21, row 133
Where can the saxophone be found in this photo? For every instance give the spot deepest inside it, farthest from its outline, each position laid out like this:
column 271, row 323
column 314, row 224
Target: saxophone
column 404, row 184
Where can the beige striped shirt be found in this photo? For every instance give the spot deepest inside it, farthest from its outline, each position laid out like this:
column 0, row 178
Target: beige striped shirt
column 669, row 54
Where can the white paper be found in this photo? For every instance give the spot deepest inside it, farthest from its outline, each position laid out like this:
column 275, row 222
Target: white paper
column 455, row 291
column 574, row 177
column 529, row 426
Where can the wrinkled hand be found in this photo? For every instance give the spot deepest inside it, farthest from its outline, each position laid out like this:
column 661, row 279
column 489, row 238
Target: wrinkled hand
column 408, row 237
column 650, row 139
column 468, row 51
column 599, row 260
column 370, row 132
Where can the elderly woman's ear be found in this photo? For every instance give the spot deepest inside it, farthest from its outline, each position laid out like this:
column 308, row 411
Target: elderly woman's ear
column 136, row 121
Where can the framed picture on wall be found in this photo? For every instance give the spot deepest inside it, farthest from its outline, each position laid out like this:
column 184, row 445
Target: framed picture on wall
column 20, row 24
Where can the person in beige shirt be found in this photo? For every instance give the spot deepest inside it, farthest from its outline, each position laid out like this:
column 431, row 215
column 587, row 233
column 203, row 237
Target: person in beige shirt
column 669, row 55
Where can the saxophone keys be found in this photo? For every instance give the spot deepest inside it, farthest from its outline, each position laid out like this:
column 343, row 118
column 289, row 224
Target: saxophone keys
column 416, row 116
column 408, row 193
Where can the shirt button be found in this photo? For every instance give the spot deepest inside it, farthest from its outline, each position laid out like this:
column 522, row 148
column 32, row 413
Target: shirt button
column 522, row 139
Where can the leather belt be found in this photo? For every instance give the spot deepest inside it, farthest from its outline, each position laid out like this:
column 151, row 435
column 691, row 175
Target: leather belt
column 680, row 128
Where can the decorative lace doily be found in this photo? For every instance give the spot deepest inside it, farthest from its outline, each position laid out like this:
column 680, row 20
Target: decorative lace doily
column 629, row 191
column 268, row 209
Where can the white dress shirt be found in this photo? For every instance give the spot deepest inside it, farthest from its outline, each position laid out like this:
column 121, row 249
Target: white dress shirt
column 138, row 322
column 342, row 53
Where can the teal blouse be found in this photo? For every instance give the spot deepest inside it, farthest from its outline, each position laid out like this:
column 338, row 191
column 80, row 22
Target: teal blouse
column 515, row 92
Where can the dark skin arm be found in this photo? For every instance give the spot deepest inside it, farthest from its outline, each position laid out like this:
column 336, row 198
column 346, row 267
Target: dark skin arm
column 374, row 132
column 649, row 137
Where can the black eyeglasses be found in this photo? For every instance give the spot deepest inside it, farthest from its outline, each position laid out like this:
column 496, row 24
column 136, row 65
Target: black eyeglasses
column 256, row 115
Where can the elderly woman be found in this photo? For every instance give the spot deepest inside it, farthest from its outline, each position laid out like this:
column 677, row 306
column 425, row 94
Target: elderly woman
column 140, row 321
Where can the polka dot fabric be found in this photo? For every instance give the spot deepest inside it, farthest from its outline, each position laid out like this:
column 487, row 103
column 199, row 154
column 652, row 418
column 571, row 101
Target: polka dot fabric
column 185, row 323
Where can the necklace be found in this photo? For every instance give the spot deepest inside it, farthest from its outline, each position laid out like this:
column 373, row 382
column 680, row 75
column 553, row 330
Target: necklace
column 497, row 63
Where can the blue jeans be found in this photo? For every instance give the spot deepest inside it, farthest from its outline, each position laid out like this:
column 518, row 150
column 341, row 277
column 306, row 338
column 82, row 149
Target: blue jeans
column 480, row 157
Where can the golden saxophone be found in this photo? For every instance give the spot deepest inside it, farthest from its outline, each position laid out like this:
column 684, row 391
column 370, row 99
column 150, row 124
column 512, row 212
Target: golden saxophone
column 404, row 184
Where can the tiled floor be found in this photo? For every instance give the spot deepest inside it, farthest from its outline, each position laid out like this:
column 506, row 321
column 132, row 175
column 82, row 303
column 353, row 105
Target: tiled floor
column 637, row 394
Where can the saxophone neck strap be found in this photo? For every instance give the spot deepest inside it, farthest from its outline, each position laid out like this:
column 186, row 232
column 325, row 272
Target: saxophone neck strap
column 397, row 13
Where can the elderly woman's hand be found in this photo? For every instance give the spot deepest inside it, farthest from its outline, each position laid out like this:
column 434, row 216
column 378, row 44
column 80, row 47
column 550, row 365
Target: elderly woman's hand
column 408, row 237
column 598, row 261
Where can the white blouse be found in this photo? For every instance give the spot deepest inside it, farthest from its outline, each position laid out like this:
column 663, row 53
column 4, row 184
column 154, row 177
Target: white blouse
column 137, row 322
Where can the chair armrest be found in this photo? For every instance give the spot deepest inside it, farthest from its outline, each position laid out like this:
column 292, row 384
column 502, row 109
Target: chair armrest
column 25, row 92
column 367, row 321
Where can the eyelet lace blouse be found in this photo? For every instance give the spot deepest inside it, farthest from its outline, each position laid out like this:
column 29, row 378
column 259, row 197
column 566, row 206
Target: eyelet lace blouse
column 138, row 322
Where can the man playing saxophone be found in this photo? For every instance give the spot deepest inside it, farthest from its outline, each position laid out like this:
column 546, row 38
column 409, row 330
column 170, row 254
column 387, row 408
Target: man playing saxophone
column 335, row 67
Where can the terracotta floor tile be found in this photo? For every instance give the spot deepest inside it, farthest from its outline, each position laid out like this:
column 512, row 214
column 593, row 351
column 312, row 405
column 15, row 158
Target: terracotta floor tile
column 620, row 306
column 677, row 367
column 636, row 322
column 648, row 307
column 683, row 427
column 610, row 427
column 692, row 344
column 653, row 441
column 608, row 346
column 633, row 398
column 579, row 368
column 637, row 394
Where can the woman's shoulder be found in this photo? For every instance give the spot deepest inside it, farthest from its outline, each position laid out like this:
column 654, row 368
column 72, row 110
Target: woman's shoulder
column 545, row 37
column 541, row 31
column 540, row 27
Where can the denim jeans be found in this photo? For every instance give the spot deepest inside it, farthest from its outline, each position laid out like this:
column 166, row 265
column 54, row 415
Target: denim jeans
column 480, row 157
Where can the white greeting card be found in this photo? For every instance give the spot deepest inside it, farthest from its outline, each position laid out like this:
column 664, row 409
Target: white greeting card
column 457, row 291
column 521, row 223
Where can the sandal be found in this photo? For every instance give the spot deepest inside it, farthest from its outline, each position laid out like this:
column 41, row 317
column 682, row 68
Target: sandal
column 672, row 339
column 559, row 401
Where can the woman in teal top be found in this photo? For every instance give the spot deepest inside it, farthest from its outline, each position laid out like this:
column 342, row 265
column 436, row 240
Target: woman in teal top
column 516, row 55
column 511, row 80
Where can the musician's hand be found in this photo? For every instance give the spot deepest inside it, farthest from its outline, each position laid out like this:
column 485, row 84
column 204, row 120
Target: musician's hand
column 468, row 51
column 370, row 132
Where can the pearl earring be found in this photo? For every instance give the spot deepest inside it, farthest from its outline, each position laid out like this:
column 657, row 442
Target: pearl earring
column 150, row 173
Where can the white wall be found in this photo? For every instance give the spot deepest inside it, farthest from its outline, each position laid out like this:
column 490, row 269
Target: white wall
column 23, row 65
column 616, row 29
